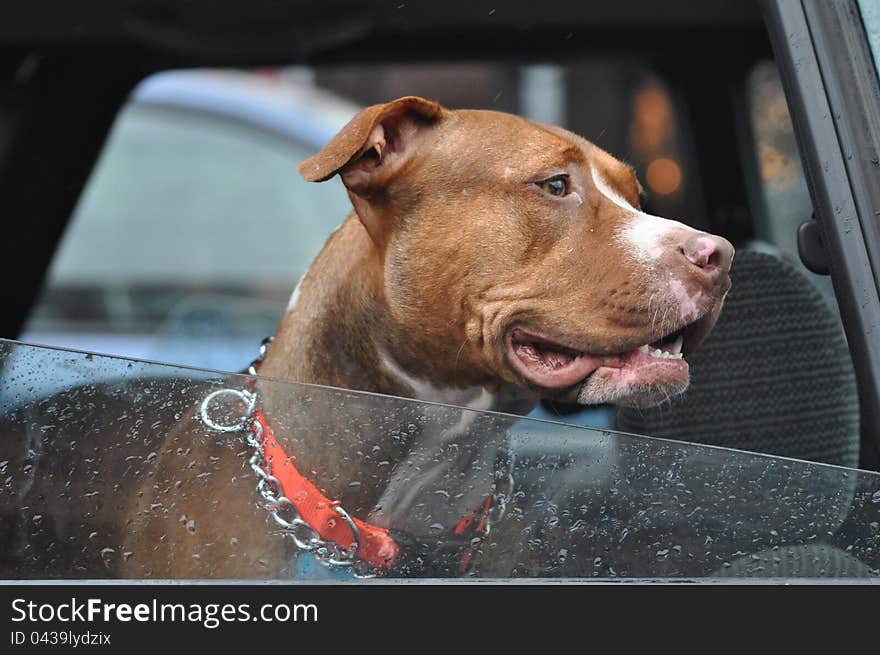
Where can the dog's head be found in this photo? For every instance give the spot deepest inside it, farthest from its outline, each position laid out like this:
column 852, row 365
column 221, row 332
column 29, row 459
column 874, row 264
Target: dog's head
column 519, row 253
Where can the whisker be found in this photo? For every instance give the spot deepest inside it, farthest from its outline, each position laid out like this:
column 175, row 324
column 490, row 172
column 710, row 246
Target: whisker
column 460, row 350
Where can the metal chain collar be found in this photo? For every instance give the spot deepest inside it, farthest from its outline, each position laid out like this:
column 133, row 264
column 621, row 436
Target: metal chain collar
column 281, row 508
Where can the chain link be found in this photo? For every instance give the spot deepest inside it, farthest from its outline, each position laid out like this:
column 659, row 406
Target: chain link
column 280, row 508
column 284, row 512
column 501, row 495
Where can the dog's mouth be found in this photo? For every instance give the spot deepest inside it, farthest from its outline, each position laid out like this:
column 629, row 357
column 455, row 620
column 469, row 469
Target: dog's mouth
column 552, row 365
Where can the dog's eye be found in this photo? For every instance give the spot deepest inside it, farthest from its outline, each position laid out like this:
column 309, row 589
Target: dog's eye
column 555, row 186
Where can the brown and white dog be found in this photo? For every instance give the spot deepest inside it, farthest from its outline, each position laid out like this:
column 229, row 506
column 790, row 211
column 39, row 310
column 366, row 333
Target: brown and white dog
column 487, row 251
column 489, row 261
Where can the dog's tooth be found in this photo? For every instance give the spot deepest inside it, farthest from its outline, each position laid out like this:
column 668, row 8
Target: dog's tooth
column 657, row 353
column 677, row 344
column 644, row 349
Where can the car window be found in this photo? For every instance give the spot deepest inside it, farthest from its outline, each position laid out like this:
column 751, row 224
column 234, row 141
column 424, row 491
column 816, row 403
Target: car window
column 870, row 13
column 194, row 227
column 189, row 239
column 781, row 198
column 163, row 489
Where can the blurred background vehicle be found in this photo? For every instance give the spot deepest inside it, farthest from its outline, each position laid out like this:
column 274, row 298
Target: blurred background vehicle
column 194, row 225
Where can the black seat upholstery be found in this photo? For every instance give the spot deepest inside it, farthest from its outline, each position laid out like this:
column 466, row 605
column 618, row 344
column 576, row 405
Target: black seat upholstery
column 774, row 377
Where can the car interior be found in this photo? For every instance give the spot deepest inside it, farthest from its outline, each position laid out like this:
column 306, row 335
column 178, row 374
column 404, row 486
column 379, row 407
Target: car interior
column 153, row 180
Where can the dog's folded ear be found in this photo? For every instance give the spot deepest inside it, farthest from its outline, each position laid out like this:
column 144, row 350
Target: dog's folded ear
column 367, row 150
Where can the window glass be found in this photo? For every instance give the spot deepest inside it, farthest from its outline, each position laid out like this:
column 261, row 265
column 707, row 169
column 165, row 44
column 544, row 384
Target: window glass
column 195, row 225
column 124, row 477
column 783, row 198
column 870, row 11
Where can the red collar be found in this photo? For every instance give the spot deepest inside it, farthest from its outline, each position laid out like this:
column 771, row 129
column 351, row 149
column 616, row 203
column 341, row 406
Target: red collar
column 376, row 546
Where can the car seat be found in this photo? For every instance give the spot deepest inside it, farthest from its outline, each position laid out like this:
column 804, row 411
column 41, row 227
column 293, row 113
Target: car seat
column 775, row 377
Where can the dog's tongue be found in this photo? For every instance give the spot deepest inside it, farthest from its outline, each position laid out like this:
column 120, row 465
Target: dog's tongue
column 554, row 367
column 545, row 357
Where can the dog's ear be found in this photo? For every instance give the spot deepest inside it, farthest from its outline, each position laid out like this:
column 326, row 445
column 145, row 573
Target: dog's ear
column 374, row 140
column 369, row 152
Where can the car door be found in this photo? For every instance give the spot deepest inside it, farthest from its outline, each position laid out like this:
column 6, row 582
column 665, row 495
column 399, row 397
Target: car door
column 828, row 67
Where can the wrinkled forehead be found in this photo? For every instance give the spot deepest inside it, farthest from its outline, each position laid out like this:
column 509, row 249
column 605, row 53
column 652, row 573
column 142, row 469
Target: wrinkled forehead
column 606, row 171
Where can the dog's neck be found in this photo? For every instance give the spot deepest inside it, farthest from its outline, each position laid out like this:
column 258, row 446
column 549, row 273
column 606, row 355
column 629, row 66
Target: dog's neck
column 339, row 332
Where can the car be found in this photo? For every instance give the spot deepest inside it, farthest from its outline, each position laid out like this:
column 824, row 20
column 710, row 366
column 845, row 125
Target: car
column 180, row 236
column 162, row 300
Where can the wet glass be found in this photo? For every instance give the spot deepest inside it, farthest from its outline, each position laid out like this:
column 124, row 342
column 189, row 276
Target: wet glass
column 109, row 470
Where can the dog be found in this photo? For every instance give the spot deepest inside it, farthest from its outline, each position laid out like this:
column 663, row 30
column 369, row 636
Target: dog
column 489, row 262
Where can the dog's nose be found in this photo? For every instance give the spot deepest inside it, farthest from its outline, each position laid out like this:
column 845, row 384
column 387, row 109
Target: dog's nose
column 712, row 254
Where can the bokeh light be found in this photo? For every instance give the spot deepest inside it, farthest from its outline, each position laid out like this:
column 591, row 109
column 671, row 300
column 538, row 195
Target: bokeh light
column 663, row 176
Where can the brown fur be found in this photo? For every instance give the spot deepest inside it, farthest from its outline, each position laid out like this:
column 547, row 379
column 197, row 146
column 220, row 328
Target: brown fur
column 452, row 242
